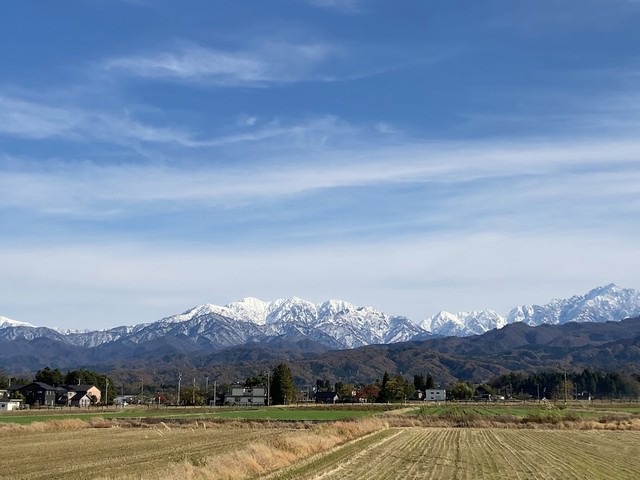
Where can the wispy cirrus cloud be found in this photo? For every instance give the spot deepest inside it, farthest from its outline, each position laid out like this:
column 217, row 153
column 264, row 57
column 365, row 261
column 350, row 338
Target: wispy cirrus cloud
column 527, row 173
column 269, row 63
column 348, row 6
column 27, row 119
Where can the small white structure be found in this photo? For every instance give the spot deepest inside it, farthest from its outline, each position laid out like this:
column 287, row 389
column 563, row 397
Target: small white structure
column 435, row 395
column 7, row 405
column 124, row 400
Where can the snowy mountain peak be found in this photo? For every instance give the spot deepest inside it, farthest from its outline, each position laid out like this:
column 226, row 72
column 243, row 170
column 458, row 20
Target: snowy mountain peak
column 7, row 322
column 197, row 311
column 335, row 323
column 249, row 308
column 475, row 322
column 334, row 307
column 292, row 310
column 602, row 304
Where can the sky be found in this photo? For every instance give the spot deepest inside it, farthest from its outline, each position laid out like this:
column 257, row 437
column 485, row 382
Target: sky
column 413, row 156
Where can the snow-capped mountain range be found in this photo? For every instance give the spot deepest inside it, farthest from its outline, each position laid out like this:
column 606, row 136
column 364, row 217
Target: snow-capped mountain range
column 602, row 304
column 334, row 323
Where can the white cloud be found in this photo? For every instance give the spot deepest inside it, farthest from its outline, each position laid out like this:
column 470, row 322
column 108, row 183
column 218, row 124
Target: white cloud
column 21, row 118
column 27, row 119
column 384, row 128
column 246, row 120
column 272, row 62
column 349, row 6
column 560, row 171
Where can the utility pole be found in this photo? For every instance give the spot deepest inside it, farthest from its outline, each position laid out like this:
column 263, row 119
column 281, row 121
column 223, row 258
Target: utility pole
column 179, row 383
column 193, row 392
column 268, row 387
column 565, row 386
column 106, row 391
column 215, row 386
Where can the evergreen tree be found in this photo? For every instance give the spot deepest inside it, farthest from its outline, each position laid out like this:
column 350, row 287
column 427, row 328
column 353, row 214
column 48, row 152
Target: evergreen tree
column 429, row 383
column 419, row 382
column 283, row 390
column 256, row 381
column 50, row 377
column 385, row 395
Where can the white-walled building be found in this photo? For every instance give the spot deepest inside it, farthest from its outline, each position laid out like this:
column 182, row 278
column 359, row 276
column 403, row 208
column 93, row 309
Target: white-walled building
column 246, row 396
column 435, row 395
column 7, row 405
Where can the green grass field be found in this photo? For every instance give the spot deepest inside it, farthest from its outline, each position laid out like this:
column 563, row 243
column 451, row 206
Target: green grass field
column 267, row 413
column 560, row 411
column 330, row 413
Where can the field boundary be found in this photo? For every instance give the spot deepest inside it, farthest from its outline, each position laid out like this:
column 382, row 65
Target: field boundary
column 360, row 444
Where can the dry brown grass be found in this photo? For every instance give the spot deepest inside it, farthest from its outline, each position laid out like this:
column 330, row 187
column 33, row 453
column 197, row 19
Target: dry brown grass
column 264, row 456
column 631, row 423
column 49, row 426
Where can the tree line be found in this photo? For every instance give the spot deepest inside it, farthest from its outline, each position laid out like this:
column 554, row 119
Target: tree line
column 393, row 387
column 573, row 385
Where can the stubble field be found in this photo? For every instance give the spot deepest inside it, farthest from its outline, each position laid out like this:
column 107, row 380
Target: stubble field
column 395, row 445
column 455, row 453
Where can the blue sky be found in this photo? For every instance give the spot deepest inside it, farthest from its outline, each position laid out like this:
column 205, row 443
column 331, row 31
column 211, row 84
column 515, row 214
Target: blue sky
column 414, row 156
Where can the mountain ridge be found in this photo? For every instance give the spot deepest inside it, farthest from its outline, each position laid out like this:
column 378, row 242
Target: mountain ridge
column 336, row 324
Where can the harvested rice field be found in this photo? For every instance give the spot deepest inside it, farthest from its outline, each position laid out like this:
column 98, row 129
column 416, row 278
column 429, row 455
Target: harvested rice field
column 367, row 448
column 114, row 452
column 489, row 453
column 130, row 450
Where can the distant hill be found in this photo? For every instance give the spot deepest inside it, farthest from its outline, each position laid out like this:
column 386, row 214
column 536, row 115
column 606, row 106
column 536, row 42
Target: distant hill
column 517, row 347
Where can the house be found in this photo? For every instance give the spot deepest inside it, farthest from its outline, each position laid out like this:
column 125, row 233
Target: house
column 80, row 400
column 8, row 404
column 90, row 390
column 482, row 394
column 72, row 395
column 485, row 397
column 11, row 390
column 327, row 397
column 246, row 396
column 435, row 395
column 39, row 394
